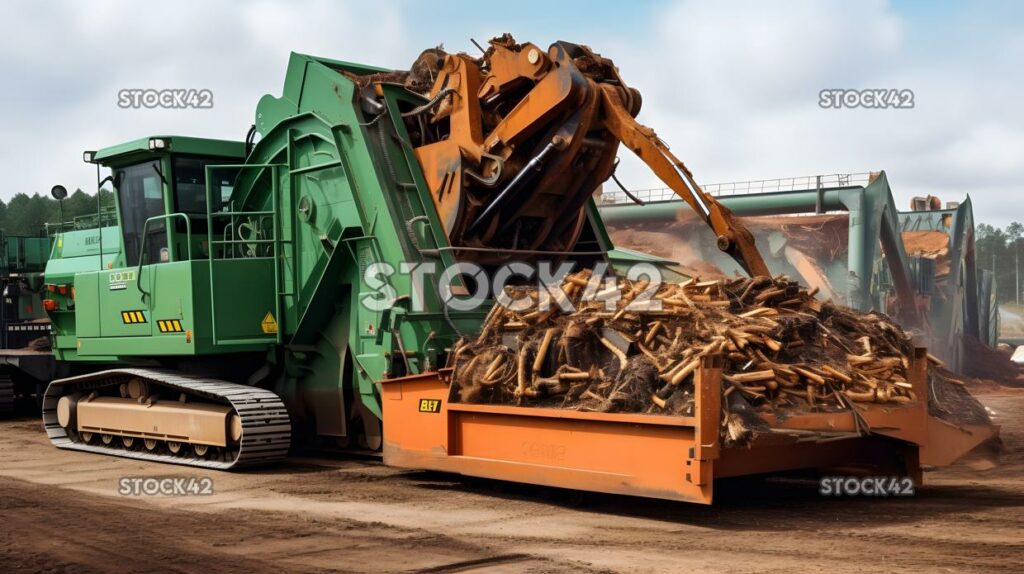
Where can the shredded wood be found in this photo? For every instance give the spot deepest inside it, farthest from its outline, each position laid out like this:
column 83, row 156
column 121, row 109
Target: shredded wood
column 784, row 350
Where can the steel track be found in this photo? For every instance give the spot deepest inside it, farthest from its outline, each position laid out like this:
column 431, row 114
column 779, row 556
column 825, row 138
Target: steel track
column 266, row 429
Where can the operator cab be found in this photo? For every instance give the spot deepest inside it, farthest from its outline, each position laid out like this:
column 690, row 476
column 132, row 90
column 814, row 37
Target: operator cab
column 162, row 180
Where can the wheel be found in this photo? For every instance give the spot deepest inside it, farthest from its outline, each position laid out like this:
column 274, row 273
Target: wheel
column 201, row 449
column 107, row 438
column 173, row 446
column 127, row 441
column 150, row 444
column 86, row 437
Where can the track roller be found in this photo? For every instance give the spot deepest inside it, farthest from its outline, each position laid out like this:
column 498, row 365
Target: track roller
column 178, row 419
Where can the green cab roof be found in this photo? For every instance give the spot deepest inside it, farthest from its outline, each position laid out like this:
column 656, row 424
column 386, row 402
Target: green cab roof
column 175, row 144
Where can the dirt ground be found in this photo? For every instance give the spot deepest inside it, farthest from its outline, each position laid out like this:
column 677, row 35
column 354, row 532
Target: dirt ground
column 60, row 511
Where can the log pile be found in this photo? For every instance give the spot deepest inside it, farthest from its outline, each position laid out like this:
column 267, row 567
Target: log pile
column 784, row 350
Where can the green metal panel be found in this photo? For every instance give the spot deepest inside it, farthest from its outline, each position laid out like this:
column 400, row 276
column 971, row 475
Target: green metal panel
column 23, row 254
column 177, row 293
column 86, row 315
column 241, row 303
column 133, row 150
column 79, row 250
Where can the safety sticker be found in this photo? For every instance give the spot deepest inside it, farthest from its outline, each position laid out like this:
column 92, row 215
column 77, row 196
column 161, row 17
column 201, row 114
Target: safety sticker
column 169, row 326
column 133, row 317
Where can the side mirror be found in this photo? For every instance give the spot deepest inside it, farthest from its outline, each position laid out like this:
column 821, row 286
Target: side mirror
column 59, row 192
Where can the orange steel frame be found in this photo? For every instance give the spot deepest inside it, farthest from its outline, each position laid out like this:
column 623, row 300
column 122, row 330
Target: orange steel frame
column 668, row 457
column 588, row 115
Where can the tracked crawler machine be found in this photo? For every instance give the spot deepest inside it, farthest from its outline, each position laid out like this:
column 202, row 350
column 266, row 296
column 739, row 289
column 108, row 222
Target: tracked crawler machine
column 267, row 291
column 21, row 283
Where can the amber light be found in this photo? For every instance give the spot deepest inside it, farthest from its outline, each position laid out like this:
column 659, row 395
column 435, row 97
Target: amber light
column 49, row 304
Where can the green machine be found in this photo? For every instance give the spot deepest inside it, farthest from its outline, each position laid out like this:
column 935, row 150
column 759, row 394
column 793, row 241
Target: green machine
column 255, row 293
column 21, row 271
column 844, row 234
column 25, row 366
column 21, row 313
column 262, row 289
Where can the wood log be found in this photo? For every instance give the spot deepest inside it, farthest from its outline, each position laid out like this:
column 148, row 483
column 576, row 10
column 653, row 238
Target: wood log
column 809, row 375
column 542, row 352
column 492, row 369
column 771, row 343
column 623, row 360
column 837, row 374
column 652, row 332
column 521, row 373
column 751, row 377
column 684, row 372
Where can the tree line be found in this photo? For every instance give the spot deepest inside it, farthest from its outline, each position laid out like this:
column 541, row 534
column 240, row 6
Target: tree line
column 28, row 215
column 1002, row 251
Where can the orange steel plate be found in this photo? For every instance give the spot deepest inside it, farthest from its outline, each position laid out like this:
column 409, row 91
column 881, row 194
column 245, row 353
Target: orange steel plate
column 645, row 455
column 656, row 456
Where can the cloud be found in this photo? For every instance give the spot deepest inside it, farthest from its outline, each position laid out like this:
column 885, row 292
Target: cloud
column 64, row 63
column 732, row 86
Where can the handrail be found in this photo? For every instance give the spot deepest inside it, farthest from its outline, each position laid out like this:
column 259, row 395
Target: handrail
column 777, row 185
column 172, row 250
column 231, row 214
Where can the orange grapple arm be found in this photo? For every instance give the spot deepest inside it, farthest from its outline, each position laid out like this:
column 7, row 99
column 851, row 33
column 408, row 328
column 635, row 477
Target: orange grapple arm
column 733, row 237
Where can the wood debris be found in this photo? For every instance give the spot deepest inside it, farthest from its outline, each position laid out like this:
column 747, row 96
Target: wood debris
column 784, row 350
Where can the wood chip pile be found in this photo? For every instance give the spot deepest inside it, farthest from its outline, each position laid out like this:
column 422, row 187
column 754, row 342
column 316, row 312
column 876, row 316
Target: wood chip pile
column 784, row 350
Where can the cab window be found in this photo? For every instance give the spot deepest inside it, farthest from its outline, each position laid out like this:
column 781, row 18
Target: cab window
column 190, row 185
column 140, row 194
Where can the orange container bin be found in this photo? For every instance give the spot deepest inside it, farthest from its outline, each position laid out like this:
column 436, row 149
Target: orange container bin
column 645, row 455
column 669, row 457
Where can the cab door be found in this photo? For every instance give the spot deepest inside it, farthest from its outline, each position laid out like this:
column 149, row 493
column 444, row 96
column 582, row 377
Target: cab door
column 125, row 312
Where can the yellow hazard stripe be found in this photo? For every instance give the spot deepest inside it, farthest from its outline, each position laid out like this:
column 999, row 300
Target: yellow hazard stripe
column 170, row 326
column 133, row 317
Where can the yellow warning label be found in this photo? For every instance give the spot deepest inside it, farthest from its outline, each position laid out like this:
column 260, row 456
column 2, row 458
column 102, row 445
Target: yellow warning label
column 268, row 324
column 132, row 317
column 169, row 326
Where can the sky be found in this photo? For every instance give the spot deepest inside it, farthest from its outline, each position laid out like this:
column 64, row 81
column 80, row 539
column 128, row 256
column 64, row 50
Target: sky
column 731, row 86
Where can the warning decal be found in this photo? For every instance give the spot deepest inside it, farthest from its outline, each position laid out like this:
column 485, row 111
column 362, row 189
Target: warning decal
column 268, row 324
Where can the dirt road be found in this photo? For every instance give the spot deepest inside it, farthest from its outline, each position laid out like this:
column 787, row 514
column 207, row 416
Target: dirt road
column 60, row 511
